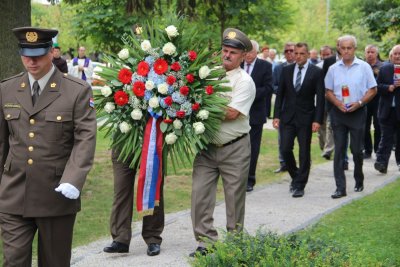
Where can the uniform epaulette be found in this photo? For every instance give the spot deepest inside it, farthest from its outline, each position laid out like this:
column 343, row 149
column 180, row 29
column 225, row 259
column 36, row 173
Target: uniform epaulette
column 74, row 79
column 12, row 77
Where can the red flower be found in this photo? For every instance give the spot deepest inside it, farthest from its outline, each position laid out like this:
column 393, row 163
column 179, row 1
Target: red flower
column 175, row 66
column 143, row 68
column 180, row 114
column 125, row 76
column 139, row 88
column 195, row 106
column 192, row 55
column 170, row 80
column 168, row 100
column 184, row 90
column 167, row 120
column 190, row 78
column 121, row 98
column 160, row 66
column 209, row 90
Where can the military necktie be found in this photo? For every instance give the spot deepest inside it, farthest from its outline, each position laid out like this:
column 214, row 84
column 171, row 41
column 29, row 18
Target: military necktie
column 298, row 79
column 36, row 89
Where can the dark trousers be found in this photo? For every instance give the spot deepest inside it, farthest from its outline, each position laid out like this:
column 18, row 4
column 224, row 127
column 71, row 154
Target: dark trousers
column 122, row 209
column 303, row 133
column 342, row 125
column 54, row 240
column 390, row 127
column 372, row 117
column 255, row 141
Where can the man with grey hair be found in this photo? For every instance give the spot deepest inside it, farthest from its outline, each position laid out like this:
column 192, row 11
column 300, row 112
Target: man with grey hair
column 350, row 84
column 261, row 73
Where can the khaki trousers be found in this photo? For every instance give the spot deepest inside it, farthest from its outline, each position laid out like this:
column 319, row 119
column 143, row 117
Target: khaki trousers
column 122, row 208
column 54, row 240
column 232, row 163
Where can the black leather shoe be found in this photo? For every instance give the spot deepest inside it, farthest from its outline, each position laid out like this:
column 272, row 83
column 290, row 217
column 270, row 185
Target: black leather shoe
column 338, row 194
column 281, row 169
column 380, row 167
column 359, row 188
column 117, row 247
column 298, row 193
column 326, row 156
column 153, row 249
column 249, row 188
column 200, row 251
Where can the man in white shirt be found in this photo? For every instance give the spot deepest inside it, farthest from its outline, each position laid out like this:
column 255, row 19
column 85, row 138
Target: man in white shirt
column 81, row 66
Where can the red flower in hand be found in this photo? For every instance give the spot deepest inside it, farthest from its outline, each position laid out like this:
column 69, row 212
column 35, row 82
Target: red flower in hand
column 168, row 100
column 143, row 68
column 190, row 78
column 139, row 88
column 184, row 90
column 180, row 114
column 121, row 98
column 167, row 120
column 175, row 66
column 170, row 80
column 160, row 66
column 125, row 76
column 195, row 106
column 192, row 55
column 209, row 90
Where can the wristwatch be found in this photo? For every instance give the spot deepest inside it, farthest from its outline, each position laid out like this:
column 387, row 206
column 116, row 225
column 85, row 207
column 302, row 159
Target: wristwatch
column 361, row 103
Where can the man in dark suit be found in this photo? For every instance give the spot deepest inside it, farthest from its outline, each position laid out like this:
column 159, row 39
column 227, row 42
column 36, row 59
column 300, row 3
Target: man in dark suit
column 261, row 72
column 289, row 56
column 298, row 115
column 47, row 143
column 389, row 108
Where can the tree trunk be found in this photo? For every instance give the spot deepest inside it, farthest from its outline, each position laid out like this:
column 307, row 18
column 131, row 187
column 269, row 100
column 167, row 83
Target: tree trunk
column 12, row 14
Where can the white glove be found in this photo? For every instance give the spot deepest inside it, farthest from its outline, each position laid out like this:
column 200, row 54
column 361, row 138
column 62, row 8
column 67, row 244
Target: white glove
column 68, row 190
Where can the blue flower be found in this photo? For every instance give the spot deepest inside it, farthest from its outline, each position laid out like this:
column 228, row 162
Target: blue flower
column 178, row 98
column 187, row 107
column 147, row 95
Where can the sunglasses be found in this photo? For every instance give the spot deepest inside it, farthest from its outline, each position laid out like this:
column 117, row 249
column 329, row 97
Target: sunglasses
column 289, row 50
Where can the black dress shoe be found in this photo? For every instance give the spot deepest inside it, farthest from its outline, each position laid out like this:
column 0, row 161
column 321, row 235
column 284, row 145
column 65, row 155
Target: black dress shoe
column 326, row 156
column 153, row 249
column 359, row 188
column 200, row 251
column 281, row 169
column 380, row 167
column 298, row 193
column 117, row 247
column 249, row 188
column 338, row 194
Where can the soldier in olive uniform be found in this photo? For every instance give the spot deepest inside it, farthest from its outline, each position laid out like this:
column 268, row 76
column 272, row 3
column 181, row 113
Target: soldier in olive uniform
column 47, row 143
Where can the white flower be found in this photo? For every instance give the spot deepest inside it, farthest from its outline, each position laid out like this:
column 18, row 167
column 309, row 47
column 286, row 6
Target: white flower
column 169, row 49
column 136, row 114
column 124, row 127
column 138, row 30
column 162, row 88
column 172, row 31
column 170, row 138
column 204, row 72
column 145, row 45
column 199, row 127
column 123, row 54
column 106, row 91
column 203, row 114
column 153, row 102
column 109, row 107
column 149, row 85
column 177, row 124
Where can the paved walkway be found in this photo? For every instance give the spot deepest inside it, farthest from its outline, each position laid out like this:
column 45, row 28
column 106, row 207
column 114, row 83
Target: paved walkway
column 270, row 207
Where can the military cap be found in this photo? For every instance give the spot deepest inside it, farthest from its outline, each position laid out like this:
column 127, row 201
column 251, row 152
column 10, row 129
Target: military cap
column 34, row 42
column 237, row 39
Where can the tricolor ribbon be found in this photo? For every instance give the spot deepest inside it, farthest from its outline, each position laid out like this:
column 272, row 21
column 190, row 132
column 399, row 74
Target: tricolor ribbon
column 150, row 175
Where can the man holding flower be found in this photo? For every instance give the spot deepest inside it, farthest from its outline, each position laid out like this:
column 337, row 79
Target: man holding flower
column 228, row 154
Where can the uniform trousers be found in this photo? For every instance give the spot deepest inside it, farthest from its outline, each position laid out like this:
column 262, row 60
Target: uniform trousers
column 255, row 140
column 390, row 127
column 342, row 125
column 122, row 208
column 232, row 163
column 54, row 240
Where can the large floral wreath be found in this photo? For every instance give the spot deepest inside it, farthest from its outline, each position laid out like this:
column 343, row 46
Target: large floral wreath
column 161, row 98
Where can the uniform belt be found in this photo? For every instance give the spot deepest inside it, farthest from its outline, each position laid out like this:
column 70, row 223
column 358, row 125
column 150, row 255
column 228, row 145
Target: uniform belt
column 231, row 142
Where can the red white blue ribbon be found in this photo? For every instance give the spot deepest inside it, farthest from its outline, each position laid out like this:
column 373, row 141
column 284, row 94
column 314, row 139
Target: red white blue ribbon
column 150, row 174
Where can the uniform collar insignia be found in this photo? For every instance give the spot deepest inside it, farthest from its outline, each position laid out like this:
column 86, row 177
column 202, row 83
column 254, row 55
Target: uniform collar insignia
column 23, row 85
